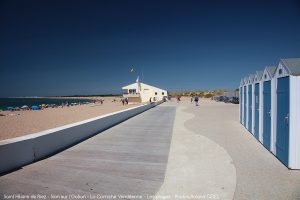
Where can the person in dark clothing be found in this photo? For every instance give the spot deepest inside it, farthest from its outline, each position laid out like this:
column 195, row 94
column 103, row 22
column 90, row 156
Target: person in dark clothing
column 178, row 99
column 196, row 99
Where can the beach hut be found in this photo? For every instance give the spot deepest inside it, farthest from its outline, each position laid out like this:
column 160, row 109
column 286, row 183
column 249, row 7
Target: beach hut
column 287, row 123
column 257, row 114
column 267, row 136
column 245, row 113
column 241, row 101
column 250, row 102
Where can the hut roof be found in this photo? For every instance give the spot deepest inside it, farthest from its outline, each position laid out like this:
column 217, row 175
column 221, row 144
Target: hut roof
column 293, row 65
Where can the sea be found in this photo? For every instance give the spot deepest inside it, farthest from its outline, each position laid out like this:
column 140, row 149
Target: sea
column 19, row 102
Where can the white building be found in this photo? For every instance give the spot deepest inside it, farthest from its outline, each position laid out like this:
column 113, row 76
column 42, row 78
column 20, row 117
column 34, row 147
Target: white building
column 141, row 92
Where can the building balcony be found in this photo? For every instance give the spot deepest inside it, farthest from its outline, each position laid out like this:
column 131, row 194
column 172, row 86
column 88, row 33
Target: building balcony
column 131, row 95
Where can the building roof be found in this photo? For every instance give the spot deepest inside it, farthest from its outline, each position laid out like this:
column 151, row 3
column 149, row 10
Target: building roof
column 259, row 75
column 293, row 65
column 130, row 85
column 271, row 70
column 242, row 82
column 141, row 84
column 251, row 78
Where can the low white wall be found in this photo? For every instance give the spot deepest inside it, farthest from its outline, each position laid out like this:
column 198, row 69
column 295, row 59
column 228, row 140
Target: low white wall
column 20, row 151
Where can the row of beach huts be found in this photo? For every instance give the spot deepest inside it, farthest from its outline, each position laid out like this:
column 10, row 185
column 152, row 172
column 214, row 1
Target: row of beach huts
column 270, row 109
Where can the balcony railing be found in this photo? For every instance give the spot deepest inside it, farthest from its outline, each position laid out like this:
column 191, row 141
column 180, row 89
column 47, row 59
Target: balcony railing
column 131, row 95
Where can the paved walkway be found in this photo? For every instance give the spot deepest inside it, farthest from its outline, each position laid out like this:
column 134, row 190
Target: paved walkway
column 202, row 153
column 198, row 168
column 259, row 174
column 128, row 159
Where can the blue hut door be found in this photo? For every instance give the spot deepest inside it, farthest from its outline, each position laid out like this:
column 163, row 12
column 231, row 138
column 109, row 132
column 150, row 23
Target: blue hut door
column 241, row 104
column 250, row 108
column 282, row 131
column 245, row 107
column 256, row 126
column 267, row 114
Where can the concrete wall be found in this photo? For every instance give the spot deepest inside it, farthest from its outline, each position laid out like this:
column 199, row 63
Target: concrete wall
column 20, row 151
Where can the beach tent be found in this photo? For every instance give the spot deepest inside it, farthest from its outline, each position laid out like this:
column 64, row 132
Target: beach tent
column 250, row 103
column 267, row 136
column 287, row 123
column 35, row 108
column 257, row 99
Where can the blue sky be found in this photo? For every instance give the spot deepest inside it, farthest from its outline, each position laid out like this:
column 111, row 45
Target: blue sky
column 88, row 47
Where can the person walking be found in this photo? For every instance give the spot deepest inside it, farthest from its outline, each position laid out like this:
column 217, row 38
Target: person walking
column 178, row 99
column 196, row 99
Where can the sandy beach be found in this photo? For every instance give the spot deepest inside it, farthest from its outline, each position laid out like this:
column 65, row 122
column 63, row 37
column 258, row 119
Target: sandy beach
column 20, row 123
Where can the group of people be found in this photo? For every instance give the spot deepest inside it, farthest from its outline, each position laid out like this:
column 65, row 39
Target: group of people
column 193, row 98
column 152, row 99
column 124, row 101
column 101, row 101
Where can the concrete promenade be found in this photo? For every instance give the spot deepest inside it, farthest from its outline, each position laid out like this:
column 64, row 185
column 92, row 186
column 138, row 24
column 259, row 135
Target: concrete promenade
column 127, row 159
column 173, row 151
column 213, row 156
column 259, row 174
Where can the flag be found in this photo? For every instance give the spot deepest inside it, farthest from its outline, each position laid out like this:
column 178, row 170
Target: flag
column 137, row 79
